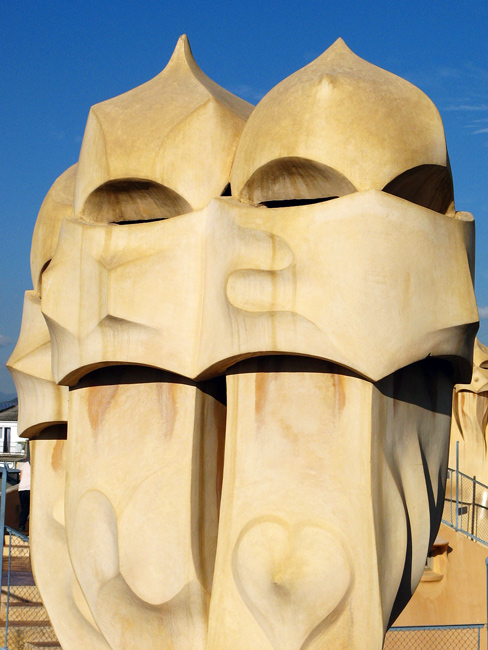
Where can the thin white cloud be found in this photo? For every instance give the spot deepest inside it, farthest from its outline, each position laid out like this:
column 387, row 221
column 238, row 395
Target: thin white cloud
column 480, row 131
column 248, row 93
column 483, row 312
column 467, row 107
column 451, row 73
column 4, row 340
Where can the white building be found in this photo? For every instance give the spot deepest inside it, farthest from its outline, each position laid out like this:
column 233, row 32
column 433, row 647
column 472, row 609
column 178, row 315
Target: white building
column 10, row 442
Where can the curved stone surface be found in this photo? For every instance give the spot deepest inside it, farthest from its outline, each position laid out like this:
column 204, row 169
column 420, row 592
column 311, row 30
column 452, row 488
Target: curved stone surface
column 62, row 597
column 470, row 420
column 339, row 125
column 57, row 206
column 42, row 403
column 164, row 132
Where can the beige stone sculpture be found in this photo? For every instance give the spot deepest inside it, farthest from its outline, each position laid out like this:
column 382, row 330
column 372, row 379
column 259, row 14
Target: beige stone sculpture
column 470, row 419
column 254, row 328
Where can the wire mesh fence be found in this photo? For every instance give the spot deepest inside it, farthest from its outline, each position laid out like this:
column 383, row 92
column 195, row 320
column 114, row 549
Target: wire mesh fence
column 439, row 637
column 27, row 626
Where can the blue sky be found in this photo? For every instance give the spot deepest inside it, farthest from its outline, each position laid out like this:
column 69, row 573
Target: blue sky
column 60, row 57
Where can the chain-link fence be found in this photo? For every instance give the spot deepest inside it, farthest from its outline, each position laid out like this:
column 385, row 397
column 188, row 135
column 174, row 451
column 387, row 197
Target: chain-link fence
column 466, row 505
column 439, row 637
column 27, row 626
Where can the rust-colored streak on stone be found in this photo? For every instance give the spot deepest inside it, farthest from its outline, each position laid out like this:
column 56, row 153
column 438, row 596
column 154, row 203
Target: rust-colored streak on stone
column 462, row 414
column 340, row 393
column 57, row 456
column 99, row 401
column 261, row 388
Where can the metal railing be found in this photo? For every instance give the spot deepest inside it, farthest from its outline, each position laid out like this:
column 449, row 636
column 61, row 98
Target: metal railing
column 8, row 404
column 434, row 637
column 26, row 622
column 466, row 504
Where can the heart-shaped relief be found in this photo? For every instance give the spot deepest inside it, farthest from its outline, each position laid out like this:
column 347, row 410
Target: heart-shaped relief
column 292, row 578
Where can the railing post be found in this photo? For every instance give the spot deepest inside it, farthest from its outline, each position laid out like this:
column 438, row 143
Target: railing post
column 486, row 561
column 473, row 506
column 452, row 502
column 8, row 586
column 3, row 503
column 457, row 485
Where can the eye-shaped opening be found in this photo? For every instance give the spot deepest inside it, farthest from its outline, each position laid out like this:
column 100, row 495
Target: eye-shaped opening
column 427, row 185
column 295, row 181
column 133, row 201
